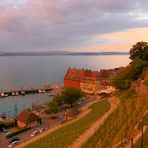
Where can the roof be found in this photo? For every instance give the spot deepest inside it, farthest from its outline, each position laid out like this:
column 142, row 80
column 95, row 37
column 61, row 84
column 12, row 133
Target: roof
column 27, row 117
column 74, row 74
column 81, row 74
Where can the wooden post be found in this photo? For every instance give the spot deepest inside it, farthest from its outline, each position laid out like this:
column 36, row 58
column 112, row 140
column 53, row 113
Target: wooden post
column 132, row 145
column 142, row 137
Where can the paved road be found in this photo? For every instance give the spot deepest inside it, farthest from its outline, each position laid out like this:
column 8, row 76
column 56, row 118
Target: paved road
column 4, row 142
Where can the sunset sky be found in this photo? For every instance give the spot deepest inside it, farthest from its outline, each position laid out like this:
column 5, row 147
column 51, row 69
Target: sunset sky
column 72, row 25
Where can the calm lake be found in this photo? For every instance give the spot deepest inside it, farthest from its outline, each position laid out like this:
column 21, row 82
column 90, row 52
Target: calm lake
column 37, row 71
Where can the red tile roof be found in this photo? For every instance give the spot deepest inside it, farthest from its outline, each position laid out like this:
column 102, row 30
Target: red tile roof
column 74, row 74
column 81, row 74
column 27, row 117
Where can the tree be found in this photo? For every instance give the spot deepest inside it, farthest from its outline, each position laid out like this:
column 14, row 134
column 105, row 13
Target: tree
column 121, row 81
column 52, row 107
column 59, row 99
column 130, row 73
column 71, row 95
column 139, row 50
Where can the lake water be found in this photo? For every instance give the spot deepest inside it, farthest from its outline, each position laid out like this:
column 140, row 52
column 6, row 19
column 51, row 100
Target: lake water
column 36, row 71
column 15, row 104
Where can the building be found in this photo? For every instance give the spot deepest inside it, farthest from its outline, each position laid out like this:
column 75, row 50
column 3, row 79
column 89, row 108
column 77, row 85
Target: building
column 86, row 80
column 107, row 76
column 73, row 77
column 27, row 119
column 90, row 82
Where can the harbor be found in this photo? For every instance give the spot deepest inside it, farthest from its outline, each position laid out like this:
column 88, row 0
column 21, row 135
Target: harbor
column 16, row 101
column 13, row 105
column 24, row 92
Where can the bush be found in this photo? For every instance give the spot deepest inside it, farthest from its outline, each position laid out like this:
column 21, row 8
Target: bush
column 7, row 123
column 17, row 132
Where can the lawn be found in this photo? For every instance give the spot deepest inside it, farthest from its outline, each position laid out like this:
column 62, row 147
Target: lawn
column 65, row 136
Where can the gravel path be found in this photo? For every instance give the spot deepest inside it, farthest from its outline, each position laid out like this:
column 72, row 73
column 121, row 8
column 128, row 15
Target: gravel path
column 96, row 125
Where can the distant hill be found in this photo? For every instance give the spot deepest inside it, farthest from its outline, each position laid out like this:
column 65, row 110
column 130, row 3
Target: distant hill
column 49, row 53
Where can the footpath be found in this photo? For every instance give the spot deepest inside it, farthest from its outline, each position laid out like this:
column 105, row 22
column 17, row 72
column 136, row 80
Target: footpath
column 96, row 125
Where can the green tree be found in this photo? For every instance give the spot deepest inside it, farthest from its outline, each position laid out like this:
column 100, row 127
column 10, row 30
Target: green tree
column 130, row 73
column 59, row 99
column 139, row 50
column 121, row 81
column 71, row 95
column 52, row 107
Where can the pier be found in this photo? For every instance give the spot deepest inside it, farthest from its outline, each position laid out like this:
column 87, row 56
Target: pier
column 23, row 92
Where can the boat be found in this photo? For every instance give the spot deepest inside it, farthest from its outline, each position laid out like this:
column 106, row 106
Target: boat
column 16, row 93
column 6, row 95
column 13, row 93
column 40, row 91
column 2, row 95
column 23, row 93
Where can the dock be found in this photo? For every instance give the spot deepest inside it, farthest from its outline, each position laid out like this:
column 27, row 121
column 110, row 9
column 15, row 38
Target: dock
column 23, row 92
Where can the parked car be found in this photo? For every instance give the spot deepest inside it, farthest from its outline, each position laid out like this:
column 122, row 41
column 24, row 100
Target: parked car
column 14, row 140
column 4, row 130
column 13, row 143
column 41, row 130
column 35, row 133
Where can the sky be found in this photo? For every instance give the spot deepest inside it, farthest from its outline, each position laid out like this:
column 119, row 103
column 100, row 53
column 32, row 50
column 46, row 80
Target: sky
column 72, row 25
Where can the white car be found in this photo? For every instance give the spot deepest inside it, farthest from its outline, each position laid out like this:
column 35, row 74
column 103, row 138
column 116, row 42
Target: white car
column 41, row 130
column 13, row 143
column 4, row 130
column 35, row 133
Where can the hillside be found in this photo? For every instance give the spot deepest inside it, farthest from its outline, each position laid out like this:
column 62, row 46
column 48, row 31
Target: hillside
column 132, row 90
column 124, row 121
column 141, row 85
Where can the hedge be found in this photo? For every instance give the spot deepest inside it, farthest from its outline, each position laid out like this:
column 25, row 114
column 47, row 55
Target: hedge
column 17, row 132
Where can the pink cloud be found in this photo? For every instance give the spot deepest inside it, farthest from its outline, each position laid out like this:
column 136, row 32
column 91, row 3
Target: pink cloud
column 71, row 23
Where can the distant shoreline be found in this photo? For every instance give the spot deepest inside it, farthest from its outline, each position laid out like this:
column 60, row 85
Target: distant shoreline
column 62, row 53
